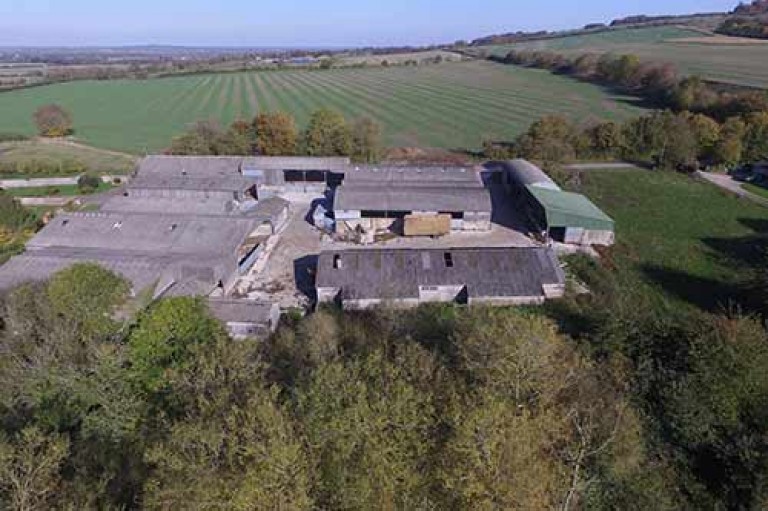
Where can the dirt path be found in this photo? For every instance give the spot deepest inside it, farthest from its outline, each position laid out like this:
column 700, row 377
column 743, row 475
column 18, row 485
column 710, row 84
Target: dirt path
column 726, row 182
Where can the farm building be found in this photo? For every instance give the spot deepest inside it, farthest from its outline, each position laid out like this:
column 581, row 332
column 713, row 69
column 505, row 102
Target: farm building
column 183, row 234
column 559, row 215
column 246, row 318
column 385, row 207
column 362, row 278
column 239, row 174
column 412, row 200
column 161, row 252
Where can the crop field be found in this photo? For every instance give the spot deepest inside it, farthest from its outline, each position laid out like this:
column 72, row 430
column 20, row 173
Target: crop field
column 693, row 53
column 450, row 105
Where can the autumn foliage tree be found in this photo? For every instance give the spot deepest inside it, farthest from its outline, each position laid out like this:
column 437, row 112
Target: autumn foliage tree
column 327, row 134
column 276, row 134
column 53, row 121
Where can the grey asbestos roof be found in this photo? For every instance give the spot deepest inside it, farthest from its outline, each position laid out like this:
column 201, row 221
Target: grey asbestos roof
column 214, row 183
column 432, row 175
column 525, row 173
column 142, row 272
column 336, row 164
column 193, row 166
column 129, row 232
column 398, row 273
column 412, row 198
column 212, row 205
column 206, row 206
column 241, row 311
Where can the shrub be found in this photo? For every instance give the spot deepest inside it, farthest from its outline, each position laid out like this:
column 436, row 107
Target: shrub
column 88, row 183
column 53, row 121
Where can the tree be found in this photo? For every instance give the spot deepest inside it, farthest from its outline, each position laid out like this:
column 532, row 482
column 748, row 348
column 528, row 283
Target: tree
column 86, row 297
column 366, row 140
column 227, row 442
column 730, row 146
column 29, row 469
column 370, row 428
column 200, row 139
column 88, row 183
column 706, row 131
column 276, row 134
column 606, row 138
column 552, row 140
column 756, row 137
column 53, row 121
column 162, row 344
column 327, row 134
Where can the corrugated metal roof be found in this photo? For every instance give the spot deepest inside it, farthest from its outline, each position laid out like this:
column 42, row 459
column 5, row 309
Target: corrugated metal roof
column 525, row 173
column 567, row 209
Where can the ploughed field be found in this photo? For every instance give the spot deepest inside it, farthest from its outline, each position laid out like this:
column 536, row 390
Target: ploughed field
column 449, row 105
column 729, row 60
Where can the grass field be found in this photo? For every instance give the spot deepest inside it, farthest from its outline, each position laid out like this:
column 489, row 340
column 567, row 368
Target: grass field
column 685, row 238
column 53, row 151
column 742, row 64
column 757, row 190
column 53, row 191
column 451, row 105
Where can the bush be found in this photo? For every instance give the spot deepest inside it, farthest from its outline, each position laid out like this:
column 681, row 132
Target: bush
column 88, row 183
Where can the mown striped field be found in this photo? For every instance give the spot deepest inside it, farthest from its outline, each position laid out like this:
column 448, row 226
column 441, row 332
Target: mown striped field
column 450, row 105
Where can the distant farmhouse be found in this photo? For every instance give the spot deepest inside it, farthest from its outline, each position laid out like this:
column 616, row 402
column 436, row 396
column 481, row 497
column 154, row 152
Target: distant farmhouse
column 210, row 226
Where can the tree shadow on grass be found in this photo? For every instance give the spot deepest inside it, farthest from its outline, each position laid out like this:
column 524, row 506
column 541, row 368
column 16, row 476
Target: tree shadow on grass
column 747, row 287
column 711, row 295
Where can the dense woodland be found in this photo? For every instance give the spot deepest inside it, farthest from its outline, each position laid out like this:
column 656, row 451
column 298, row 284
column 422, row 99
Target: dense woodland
column 612, row 400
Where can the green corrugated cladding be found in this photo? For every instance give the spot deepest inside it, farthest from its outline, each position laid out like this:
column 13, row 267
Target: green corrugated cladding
column 567, row 209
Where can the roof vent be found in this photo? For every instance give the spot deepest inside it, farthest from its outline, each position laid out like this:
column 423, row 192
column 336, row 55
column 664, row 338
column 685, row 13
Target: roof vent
column 173, row 227
column 64, row 222
column 117, row 225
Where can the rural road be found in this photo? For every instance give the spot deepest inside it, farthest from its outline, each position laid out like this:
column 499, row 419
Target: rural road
column 46, row 201
column 50, row 181
column 726, row 182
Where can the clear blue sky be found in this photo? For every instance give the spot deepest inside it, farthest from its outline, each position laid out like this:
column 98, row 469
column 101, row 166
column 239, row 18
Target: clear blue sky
column 305, row 22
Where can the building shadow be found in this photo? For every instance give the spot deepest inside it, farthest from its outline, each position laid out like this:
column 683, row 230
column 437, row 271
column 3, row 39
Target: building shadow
column 505, row 210
column 304, row 272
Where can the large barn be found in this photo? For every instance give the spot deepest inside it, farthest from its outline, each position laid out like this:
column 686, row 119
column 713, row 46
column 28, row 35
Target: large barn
column 362, row 278
column 412, row 200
